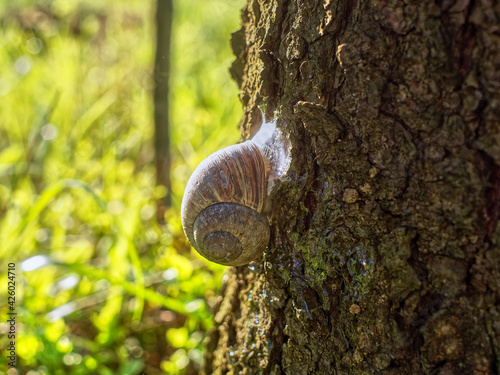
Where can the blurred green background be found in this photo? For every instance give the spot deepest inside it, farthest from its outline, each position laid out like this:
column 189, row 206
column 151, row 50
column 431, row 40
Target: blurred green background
column 101, row 287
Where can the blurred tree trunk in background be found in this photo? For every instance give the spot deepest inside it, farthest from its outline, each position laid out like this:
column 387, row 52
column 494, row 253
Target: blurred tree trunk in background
column 384, row 253
column 161, row 74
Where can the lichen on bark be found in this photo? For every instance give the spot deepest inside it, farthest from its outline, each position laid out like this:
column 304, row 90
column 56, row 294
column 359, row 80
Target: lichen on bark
column 384, row 254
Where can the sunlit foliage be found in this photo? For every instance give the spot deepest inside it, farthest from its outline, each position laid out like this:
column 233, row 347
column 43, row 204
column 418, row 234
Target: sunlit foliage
column 101, row 287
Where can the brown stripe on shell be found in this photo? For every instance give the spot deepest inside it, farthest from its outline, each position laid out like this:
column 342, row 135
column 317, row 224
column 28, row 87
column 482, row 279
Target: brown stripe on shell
column 236, row 174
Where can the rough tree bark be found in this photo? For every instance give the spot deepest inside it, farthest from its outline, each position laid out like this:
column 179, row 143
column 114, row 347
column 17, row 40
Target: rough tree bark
column 384, row 253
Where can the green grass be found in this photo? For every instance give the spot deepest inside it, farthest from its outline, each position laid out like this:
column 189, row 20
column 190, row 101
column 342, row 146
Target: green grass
column 101, row 287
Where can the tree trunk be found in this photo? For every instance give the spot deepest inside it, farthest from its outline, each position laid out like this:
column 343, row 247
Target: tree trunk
column 384, row 253
column 161, row 103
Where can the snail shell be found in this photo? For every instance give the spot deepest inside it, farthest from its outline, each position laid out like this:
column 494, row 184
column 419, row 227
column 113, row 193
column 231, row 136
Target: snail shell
column 223, row 205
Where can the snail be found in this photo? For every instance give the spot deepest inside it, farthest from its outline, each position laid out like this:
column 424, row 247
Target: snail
column 226, row 203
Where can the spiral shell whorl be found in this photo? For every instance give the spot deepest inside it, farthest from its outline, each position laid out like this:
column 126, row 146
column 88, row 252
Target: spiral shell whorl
column 230, row 233
column 223, row 202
